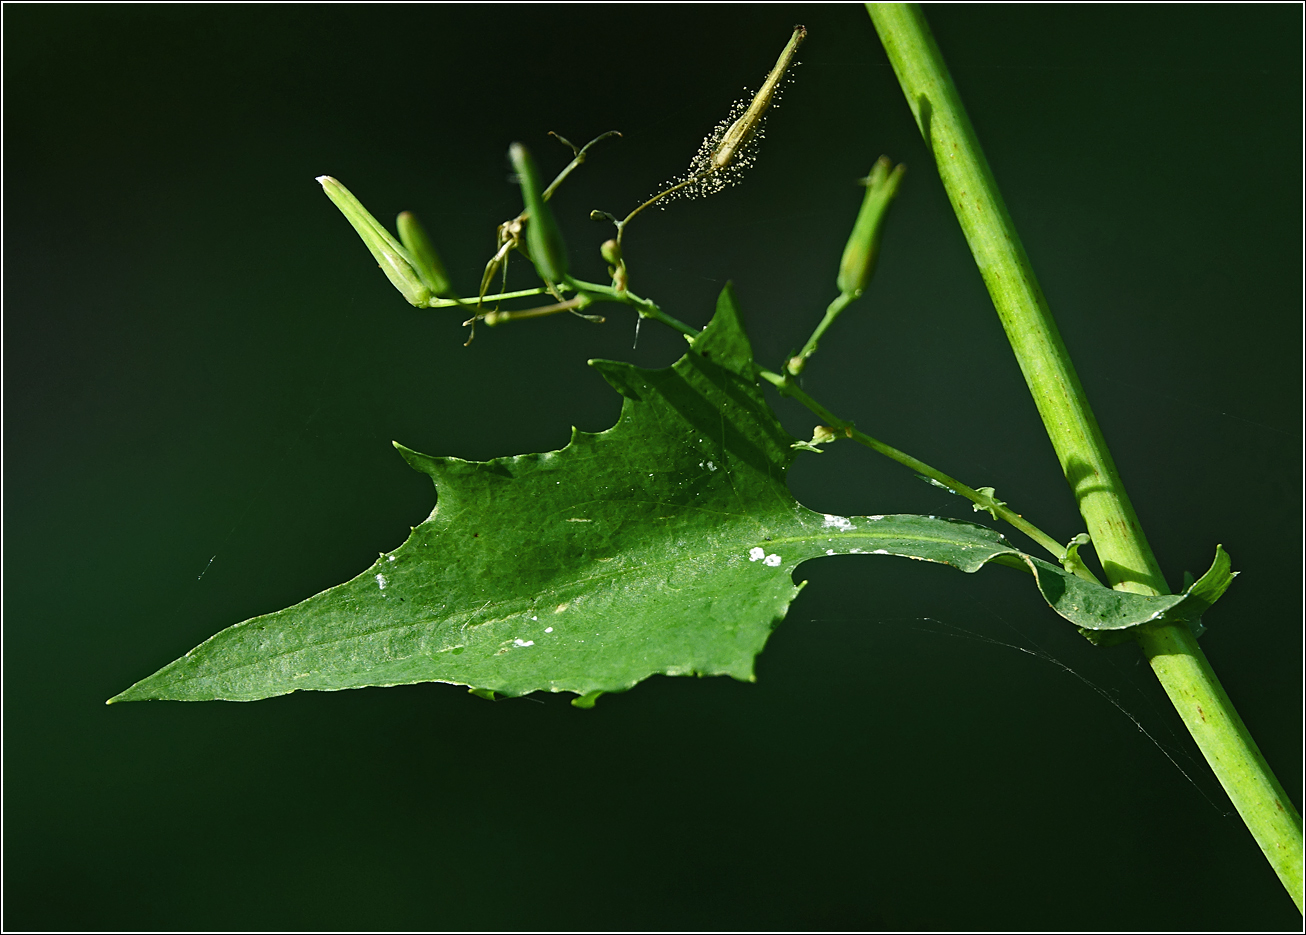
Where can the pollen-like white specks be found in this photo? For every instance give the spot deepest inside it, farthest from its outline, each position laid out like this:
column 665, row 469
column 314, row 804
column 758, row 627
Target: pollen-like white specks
column 548, row 629
column 390, row 559
column 711, row 466
column 873, row 518
column 535, row 618
column 773, row 560
column 841, row 523
column 829, row 551
column 520, row 643
column 756, row 554
column 380, row 582
column 880, row 552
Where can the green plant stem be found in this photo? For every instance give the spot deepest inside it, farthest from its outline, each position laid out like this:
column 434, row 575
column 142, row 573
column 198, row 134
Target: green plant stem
column 799, row 361
column 571, row 305
column 621, row 225
column 519, row 294
column 1122, row 548
column 576, row 160
column 787, row 387
column 645, row 307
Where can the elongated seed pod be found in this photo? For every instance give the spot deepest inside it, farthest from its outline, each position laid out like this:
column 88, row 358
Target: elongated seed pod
column 863, row 248
column 543, row 238
column 742, row 130
column 415, row 240
column 394, row 260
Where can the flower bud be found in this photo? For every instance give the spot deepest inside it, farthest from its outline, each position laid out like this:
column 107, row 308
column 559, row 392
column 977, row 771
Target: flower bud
column 863, row 249
column 611, row 251
column 415, row 240
column 394, row 260
column 543, row 239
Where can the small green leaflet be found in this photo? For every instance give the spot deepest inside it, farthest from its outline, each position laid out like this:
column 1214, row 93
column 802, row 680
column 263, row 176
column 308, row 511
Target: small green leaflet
column 663, row 545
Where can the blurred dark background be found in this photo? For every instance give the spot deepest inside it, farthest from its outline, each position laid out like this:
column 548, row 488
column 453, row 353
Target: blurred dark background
column 204, row 371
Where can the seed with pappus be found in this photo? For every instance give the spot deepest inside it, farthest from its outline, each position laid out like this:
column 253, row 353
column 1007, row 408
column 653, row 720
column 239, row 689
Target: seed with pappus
column 743, row 129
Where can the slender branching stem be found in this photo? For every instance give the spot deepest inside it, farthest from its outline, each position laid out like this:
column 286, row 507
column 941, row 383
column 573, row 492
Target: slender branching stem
column 570, row 305
column 799, row 361
column 785, row 384
column 1126, row 557
column 621, row 225
column 645, row 307
column 576, row 160
column 519, row 294
column 999, row 510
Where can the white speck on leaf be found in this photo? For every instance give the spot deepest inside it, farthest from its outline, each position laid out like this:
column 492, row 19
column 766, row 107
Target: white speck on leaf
column 548, row 629
column 838, row 522
column 380, row 582
column 560, row 608
column 829, row 551
column 772, row 560
column 755, row 554
column 711, row 466
column 880, row 552
column 390, row 559
column 523, row 642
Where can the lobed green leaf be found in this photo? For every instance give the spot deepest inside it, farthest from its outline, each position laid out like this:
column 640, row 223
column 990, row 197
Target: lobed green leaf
column 665, row 544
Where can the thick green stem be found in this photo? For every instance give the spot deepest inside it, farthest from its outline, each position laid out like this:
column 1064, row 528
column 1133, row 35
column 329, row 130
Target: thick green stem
column 1210, row 716
column 1118, row 538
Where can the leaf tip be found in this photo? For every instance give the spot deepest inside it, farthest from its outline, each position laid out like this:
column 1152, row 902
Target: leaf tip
column 422, row 464
column 622, row 377
column 586, row 700
column 128, row 694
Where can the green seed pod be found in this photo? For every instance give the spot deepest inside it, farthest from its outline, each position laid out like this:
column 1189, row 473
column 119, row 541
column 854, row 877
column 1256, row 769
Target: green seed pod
column 611, row 251
column 394, row 260
column 543, row 239
column 415, row 240
column 863, row 249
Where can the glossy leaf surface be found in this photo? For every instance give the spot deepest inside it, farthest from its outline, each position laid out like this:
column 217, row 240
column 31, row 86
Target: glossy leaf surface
column 663, row 545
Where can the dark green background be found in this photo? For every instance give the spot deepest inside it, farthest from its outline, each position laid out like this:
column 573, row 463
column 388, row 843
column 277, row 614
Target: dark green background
column 204, row 371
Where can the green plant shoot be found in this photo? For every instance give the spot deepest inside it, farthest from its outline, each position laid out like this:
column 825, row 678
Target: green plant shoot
column 667, row 543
